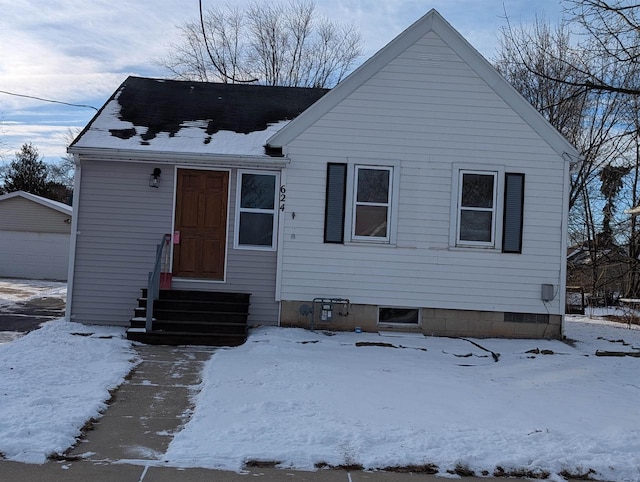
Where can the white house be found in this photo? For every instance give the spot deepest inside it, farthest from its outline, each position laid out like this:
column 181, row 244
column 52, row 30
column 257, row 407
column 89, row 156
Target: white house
column 34, row 237
column 422, row 193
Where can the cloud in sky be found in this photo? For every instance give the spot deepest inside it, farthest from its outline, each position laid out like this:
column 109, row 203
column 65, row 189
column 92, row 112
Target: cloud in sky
column 79, row 51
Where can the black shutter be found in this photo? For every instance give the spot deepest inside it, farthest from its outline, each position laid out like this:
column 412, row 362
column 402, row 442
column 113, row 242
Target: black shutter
column 334, row 207
column 513, row 213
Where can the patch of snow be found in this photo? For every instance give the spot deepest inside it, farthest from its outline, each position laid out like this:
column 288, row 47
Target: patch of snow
column 53, row 381
column 16, row 290
column 303, row 398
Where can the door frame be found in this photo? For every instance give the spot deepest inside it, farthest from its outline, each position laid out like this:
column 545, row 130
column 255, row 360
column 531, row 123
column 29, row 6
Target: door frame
column 173, row 218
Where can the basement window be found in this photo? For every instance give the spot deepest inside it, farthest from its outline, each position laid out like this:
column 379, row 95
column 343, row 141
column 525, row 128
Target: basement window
column 404, row 316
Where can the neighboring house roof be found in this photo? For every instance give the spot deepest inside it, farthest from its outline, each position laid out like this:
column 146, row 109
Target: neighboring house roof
column 57, row 206
column 431, row 22
column 152, row 115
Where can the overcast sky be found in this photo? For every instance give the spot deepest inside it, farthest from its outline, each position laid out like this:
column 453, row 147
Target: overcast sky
column 79, row 51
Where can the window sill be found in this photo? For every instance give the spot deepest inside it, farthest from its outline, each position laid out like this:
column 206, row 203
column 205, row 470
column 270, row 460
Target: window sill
column 255, row 248
column 484, row 249
column 381, row 244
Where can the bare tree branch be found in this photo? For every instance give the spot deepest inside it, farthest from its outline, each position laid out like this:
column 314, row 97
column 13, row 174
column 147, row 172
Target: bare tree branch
column 273, row 43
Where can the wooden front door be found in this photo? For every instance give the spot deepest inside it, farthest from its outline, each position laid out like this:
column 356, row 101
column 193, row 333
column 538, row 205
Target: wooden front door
column 201, row 219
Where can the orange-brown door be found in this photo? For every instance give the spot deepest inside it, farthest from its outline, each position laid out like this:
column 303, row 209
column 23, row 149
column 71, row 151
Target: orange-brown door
column 201, row 219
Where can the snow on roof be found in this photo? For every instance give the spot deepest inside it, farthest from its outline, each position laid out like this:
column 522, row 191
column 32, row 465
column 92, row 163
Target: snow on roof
column 194, row 117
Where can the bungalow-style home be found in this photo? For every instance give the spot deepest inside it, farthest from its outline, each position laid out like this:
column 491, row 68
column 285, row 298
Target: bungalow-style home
column 422, row 193
column 34, row 237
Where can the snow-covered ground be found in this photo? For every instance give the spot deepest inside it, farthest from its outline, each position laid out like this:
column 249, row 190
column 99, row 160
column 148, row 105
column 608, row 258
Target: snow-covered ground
column 305, row 399
column 13, row 291
column 54, row 380
column 302, row 398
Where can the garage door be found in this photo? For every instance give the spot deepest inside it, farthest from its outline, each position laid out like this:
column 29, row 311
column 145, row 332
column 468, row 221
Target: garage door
column 34, row 255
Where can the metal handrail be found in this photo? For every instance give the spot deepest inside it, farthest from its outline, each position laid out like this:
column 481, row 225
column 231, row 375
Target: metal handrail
column 153, row 285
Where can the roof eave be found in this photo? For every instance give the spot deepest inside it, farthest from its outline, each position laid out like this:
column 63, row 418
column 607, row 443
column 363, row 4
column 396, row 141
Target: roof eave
column 177, row 157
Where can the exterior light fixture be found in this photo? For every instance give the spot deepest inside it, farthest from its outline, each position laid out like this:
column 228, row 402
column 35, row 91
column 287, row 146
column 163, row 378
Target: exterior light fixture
column 154, row 178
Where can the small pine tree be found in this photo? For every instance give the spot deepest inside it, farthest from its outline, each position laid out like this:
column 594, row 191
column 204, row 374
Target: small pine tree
column 27, row 172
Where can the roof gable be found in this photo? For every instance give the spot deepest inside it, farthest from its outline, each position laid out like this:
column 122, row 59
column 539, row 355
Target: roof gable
column 432, row 22
column 184, row 116
column 49, row 203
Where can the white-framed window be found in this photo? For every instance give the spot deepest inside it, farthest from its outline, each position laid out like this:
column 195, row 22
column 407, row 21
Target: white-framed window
column 256, row 210
column 476, row 208
column 372, row 195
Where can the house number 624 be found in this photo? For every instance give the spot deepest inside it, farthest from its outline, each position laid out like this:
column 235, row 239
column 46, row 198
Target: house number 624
column 283, row 196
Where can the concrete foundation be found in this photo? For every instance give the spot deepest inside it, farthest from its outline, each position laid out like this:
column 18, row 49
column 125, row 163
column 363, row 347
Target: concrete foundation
column 433, row 321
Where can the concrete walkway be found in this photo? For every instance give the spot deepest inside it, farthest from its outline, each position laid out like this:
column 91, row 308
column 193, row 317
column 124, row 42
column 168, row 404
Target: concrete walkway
column 151, row 406
column 128, row 442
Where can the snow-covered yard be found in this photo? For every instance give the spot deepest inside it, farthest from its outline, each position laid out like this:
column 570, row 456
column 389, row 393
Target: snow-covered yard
column 307, row 399
column 53, row 381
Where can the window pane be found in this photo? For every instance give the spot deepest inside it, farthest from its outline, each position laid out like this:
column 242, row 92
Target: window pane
column 256, row 229
column 477, row 190
column 371, row 221
column 398, row 315
column 475, row 225
column 373, row 186
column 258, row 191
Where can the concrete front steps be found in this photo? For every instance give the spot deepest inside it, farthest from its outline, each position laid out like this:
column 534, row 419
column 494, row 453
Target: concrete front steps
column 183, row 317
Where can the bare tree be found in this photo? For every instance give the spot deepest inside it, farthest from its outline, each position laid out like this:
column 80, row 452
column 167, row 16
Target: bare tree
column 607, row 34
column 531, row 59
column 63, row 172
column 270, row 43
column 611, row 33
column 542, row 63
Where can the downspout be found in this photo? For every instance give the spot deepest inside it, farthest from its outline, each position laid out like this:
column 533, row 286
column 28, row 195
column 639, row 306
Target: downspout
column 74, row 236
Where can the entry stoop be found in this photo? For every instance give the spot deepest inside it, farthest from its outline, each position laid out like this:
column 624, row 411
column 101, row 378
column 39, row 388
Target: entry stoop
column 183, row 317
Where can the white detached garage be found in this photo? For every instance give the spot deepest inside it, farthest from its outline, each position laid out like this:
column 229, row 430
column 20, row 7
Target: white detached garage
column 34, row 237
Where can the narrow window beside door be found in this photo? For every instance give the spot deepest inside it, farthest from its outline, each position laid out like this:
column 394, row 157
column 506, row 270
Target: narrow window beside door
column 256, row 210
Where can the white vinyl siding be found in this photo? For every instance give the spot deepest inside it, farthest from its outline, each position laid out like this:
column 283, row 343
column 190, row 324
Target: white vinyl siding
column 121, row 220
column 428, row 110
